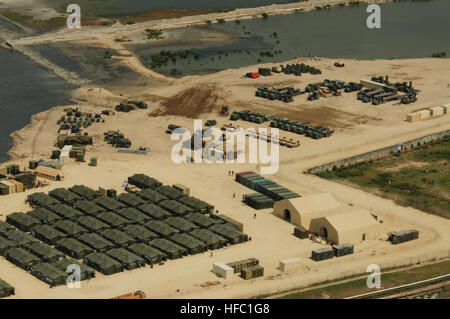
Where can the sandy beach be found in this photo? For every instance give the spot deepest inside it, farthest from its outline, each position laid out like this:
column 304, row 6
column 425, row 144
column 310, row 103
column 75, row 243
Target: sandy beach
column 359, row 128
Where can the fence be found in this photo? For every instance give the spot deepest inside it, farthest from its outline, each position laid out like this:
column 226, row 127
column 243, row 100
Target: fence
column 383, row 152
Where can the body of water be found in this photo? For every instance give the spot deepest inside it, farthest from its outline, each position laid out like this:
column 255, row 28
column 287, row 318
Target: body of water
column 26, row 89
column 408, row 30
column 116, row 8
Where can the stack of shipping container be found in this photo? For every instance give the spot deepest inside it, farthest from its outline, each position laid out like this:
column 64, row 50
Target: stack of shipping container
column 268, row 189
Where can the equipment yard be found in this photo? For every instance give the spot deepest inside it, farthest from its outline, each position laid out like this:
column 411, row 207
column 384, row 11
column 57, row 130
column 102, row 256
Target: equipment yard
column 148, row 225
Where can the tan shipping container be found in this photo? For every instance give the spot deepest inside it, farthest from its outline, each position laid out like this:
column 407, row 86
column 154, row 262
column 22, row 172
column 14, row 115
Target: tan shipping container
column 289, row 264
column 437, row 111
column 19, row 185
column 11, row 186
column 446, row 108
column 424, row 114
column 413, row 117
column 3, row 170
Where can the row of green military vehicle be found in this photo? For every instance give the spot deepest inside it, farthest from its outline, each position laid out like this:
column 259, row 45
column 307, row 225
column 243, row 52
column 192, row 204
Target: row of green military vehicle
column 117, row 139
column 249, row 116
column 334, row 85
column 75, row 123
column 293, row 126
column 284, row 94
column 299, row 68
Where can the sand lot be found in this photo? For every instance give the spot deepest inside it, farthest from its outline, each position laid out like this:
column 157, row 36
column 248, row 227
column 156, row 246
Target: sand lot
column 359, row 128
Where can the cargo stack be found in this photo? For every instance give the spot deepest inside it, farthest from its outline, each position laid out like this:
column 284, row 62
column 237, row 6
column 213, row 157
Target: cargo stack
column 252, row 272
column 258, row 201
column 403, row 236
column 242, row 264
column 264, row 186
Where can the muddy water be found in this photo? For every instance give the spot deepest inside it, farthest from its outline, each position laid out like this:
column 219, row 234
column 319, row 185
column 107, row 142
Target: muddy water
column 26, row 89
column 408, row 30
column 115, row 8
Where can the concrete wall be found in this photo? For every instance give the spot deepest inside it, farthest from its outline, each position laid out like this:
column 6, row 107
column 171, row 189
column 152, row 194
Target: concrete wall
column 383, row 152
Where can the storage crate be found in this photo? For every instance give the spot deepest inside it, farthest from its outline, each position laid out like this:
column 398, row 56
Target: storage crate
column 342, row 250
column 252, row 272
column 322, row 254
column 301, row 232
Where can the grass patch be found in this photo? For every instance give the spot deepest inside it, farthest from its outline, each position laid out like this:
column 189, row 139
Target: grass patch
column 49, row 24
column 358, row 286
column 420, row 178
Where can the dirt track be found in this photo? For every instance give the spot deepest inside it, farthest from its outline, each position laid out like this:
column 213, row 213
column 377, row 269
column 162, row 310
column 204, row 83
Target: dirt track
column 191, row 102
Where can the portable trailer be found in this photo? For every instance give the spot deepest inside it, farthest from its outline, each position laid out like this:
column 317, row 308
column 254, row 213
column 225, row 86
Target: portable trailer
column 172, row 250
column 73, row 248
column 213, row 241
column 230, row 233
column 109, row 203
column 70, row 228
column 151, row 195
column 4, row 227
column 19, row 237
column 161, row 228
column 183, row 225
column 86, row 272
column 45, row 252
column 119, row 238
column 64, row 196
column 96, row 242
column 21, row 258
column 22, row 221
column 130, row 200
column 128, row 259
column 91, row 223
column 140, row 233
column 114, row 220
column 85, row 192
column 154, row 211
column 200, row 220
column 6, row 289
column 134, row 215
column 103, row 263
column 44, row 215
column 47, row 234
column 175, row 207
column 88, row 207
column 6, row 244
column 192, row 244
column 49, row 274
column 150, row 254
column 66, row 212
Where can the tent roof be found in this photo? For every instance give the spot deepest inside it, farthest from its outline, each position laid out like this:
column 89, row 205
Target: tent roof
column 49, row 171
column 351, row 220
column 314, row 203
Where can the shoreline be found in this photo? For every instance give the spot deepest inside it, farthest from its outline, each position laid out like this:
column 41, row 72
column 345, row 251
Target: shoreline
column 90, row 32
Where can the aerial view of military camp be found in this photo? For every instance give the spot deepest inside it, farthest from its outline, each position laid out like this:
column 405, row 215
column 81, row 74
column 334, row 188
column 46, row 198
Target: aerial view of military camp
column 224, row 149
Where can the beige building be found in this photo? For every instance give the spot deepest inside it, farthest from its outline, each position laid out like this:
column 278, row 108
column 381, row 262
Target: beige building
column 351, row 227
column 49, row 173
column 300, row 211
